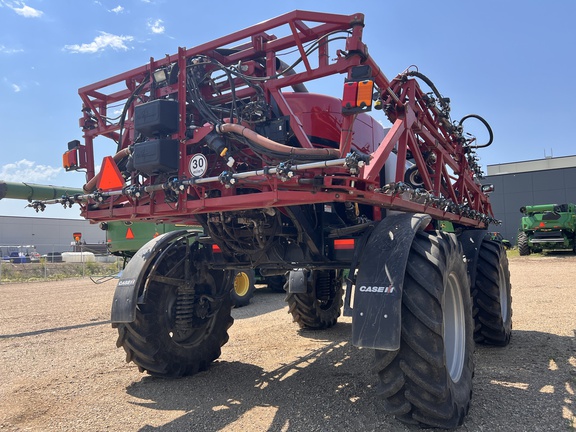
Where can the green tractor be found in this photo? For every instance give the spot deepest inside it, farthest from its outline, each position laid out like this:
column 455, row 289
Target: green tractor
column 547, row 227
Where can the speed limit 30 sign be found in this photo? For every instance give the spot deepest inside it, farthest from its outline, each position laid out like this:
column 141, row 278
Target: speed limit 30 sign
column 198, row 165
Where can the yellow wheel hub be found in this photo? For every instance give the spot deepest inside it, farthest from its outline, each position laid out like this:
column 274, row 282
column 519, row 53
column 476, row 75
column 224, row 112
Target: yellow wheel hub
column 241, row 284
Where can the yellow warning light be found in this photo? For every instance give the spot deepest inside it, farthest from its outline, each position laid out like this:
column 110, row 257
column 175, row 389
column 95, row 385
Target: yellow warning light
column 110, row 176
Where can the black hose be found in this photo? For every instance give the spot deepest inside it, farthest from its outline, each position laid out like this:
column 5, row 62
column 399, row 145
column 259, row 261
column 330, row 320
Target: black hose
column 430, row 84
column 445, row 105
column 129, row 102
column 485, row 123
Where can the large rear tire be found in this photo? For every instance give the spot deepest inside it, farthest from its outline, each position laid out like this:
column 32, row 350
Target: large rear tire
column 182, row 325
column 492, row 296
column 428, row 381
column 319, row 308
column 523, row 246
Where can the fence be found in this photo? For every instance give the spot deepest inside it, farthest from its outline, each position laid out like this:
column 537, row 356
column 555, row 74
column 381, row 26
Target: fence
column 80, row 261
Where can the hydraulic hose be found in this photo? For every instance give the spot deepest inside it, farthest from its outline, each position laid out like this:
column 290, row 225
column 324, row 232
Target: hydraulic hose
column 485, row 123
column 270, row 145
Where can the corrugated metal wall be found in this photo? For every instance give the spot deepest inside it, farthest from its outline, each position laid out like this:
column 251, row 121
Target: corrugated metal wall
column 48, row 235
column 554, row 186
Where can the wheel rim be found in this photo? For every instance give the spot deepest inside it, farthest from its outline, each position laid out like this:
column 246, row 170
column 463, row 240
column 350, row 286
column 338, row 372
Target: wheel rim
column 502, row 285
column 241, row 284
column 454, row 328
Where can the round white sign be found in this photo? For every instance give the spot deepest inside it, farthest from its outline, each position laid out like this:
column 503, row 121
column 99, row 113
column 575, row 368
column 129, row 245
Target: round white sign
column 198, row 165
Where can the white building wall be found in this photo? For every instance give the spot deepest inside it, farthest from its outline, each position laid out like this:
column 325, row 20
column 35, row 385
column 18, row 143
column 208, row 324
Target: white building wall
column 531, row 166
column 47, row 234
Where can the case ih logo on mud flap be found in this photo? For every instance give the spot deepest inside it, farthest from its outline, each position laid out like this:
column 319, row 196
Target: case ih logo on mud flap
column 127, row 282
column 378, row 289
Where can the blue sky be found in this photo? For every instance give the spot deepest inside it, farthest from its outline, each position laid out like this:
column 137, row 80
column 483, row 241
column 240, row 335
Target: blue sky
column 512, row 62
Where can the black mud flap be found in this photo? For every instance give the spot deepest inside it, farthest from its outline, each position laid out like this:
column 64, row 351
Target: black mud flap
column 126, row 294
column 471, row 240
column 378, row 292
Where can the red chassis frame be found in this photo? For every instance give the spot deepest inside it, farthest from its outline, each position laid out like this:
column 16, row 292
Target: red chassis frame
column 450, row 188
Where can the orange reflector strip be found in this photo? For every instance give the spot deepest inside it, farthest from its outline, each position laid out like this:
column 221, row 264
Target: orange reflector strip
column 364, row 95
column 70, row 159
column 110, row 176
column 344, row 244
column 542, row 224
column 216, row 248
column 129, row 234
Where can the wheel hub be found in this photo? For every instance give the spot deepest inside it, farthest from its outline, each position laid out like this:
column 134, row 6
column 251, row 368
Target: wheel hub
column 454, row 328
column 241, row 283
column 503, row 294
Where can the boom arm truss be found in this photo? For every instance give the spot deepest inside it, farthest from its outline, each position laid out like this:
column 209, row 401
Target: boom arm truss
column 244, row 77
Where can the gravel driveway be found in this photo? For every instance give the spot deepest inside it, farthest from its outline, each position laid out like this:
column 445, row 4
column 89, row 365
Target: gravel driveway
column 61, row 371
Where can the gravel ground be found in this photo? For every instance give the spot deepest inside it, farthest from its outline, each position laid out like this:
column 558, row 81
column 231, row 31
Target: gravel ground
column 61, row 371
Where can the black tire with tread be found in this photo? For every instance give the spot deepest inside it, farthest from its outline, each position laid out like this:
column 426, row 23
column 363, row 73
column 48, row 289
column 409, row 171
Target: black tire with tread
column 523, row 246
column 415, row 381
column 311, row 313
column 152, row 340
column 492, row 296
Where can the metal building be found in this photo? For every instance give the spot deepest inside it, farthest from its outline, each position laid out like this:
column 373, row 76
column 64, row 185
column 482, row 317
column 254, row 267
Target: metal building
column 543, row 181
column 47, row 234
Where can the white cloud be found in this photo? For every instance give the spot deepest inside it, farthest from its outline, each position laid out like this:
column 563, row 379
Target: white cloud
column 28, row 12
column 118, row 9
column 6, row 50
column 156, row 26
column 28, row 171
column 100, row 43
column 13, row 86
column 23, row 9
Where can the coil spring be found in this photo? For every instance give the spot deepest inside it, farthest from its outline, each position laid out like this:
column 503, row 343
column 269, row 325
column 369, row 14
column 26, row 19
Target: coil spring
column 324, row 285
column 184, row 308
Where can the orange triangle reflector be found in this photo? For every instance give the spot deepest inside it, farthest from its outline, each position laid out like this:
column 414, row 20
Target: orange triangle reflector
column 129, row 234
column 110, row 176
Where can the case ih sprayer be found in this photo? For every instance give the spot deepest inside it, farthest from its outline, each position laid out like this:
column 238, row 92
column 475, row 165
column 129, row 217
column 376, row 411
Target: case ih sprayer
column 227, row 135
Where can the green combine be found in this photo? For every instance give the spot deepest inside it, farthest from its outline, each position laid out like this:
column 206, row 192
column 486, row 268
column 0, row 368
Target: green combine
column 547, row 227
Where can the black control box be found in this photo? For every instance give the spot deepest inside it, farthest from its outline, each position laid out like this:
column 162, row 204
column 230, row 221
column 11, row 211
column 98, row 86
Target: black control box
column 156, row 156
column 155, row 118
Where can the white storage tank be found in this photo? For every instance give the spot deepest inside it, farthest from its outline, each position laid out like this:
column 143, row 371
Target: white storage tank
column 78, row 257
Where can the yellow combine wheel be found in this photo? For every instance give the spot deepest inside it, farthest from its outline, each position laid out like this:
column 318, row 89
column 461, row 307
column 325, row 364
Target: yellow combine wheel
column 243, row 287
